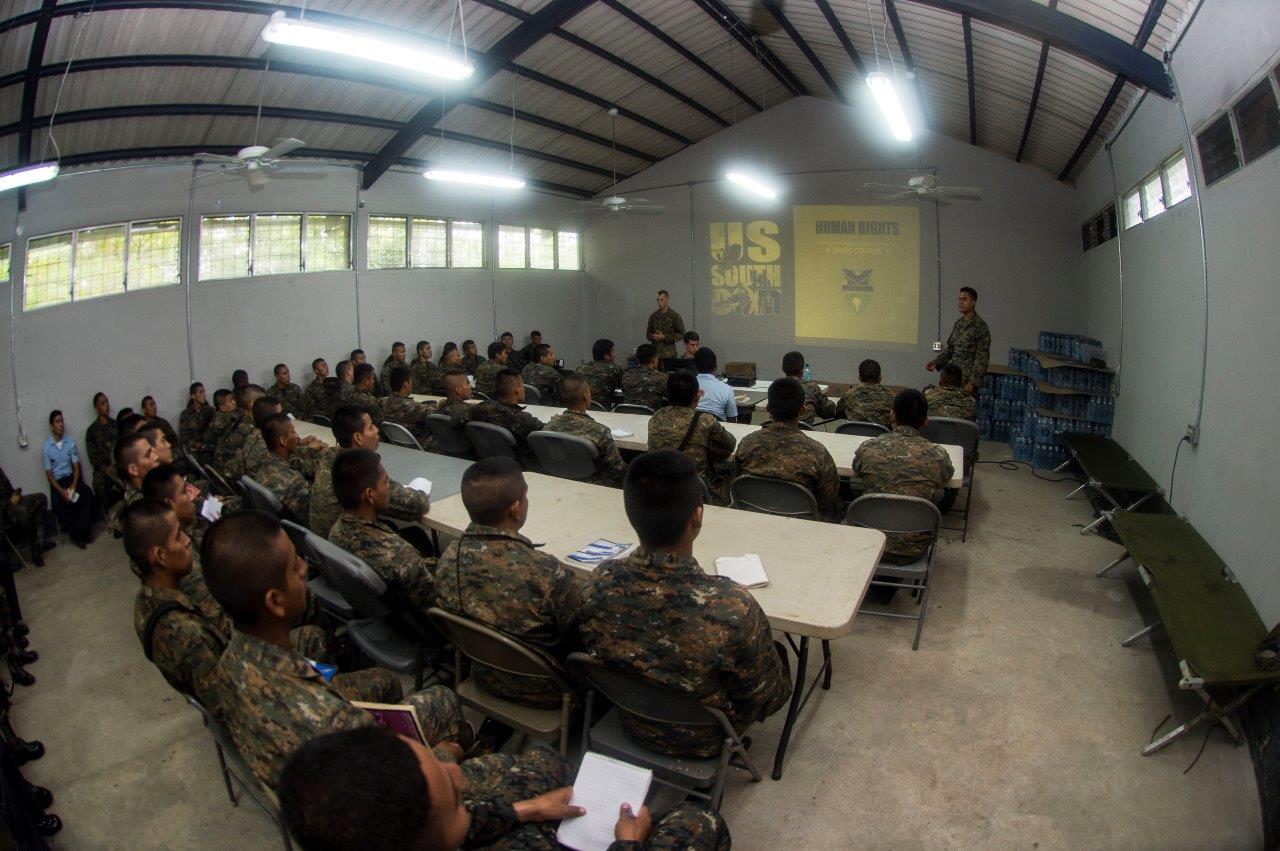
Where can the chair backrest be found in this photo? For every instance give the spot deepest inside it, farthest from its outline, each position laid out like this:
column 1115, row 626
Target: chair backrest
column 260, row 497
column 259, row 792
column 195, row 465
column 773, row 496
column 448, row 438
column 321, row 419
column 628, row 408
column 220, row 481
column 399, row 435
column 894, row 513
column 706, row 491
column 298, row 537
column 491, row 441
column 955, row 432
column 597, row 406
column 861, row 427
column 483, row 397
column 638, row 696
column 565, row 455
column 532, row 395
column 355, row 580
column 487, row 646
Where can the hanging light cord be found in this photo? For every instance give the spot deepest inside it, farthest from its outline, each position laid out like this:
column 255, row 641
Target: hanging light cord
column 49, row 137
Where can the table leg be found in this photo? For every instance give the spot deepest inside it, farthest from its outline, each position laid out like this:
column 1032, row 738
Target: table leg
column 1065, row 464
column 793, row 710
column 1123, row 558
column 1146, row 629
column 1077, row 490
column 826, row 664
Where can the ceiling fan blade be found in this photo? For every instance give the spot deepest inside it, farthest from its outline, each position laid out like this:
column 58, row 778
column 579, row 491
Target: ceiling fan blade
column 217, row 158
column 898, row 196
column 645, row 209
column 282, row 147
column 963, row 193
column 889, row 186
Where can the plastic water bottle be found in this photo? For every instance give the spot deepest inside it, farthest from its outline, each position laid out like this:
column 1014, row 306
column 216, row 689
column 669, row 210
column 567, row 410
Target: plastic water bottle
column 808, row 373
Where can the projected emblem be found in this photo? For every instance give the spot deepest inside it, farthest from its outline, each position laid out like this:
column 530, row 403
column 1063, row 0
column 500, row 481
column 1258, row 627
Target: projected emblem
column 857, row 288
column 746, row 275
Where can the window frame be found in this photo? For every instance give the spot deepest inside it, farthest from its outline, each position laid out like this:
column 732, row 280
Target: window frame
column 555, row 248
column 498, row 245
column 253, row 236
column 448, row 242
column 450, row 253
column 577, row 235
column 351, row 248
column 8, row 269
column 484, row 242
column 1270, row 81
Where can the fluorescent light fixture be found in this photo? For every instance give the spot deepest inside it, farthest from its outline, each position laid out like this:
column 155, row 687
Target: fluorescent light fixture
column 753, row 183
column 295, row 32
column 890, row 106
column 479, row 178
column 27, row 175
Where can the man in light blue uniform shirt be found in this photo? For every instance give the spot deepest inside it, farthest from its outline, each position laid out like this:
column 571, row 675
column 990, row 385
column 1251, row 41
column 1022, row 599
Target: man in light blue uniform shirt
column 69, row 496
column 717, row 397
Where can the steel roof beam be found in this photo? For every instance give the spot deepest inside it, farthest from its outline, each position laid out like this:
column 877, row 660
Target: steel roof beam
column 30, row 86
column 968, row 67
column 1035, row 93
column 891, row 11
column 842, row 36
column 733, row 25
column 778, row 15
column 603, row 103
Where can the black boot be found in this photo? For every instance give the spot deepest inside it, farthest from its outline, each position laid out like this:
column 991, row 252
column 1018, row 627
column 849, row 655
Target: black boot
column 42, row 796
column 24, row 657
column 20, row 676
column 22, row 642
column 20, row 629
column 48, row 825
column 24, row 751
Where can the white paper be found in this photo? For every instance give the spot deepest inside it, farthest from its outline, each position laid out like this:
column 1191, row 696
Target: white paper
column 211, row 509
column 621, row 432
column 747, row 570
column 291, row 416
column 421, row 484
column 603, row 785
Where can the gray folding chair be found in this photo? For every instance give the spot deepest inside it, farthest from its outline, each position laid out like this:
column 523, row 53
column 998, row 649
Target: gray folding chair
column 861, row 427
column 218, row 482
column 597, row 406
column 532, row 395
column 772, row 496
column 965, row 434
column 893, row 513
column 565, row 455
column 483, row 397
column 195, row 465
column 321, row 419
column 700, row 777
column 628, row 408
column 263, row 499
column 399, row 435
column 491, row 441
column 449, row 440
column 236, row 772
column 486, row 646
column 331, row 600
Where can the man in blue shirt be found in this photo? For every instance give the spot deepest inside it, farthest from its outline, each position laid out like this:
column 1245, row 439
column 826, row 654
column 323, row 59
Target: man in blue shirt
column 717, row 397
column 69, row 495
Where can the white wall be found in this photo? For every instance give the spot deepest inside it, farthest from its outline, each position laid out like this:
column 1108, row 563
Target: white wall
column 1227, row 486
column 133, row 345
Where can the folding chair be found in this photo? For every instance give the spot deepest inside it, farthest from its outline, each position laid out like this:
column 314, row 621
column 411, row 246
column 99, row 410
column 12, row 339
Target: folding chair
column 861, row 427
column 263, row 499
column 532, row 395
column 399, row 435
column 321, row 419
column 491, row 441
column 486, row 646
column 893, row 513
column 565, row 455
column 483, row 397
column 965, row 434
column 700, row 777
column 597, row 406
column 628, row 408
column 449, row 440
column 331, row 600
column 220, row 483
column 772, row 496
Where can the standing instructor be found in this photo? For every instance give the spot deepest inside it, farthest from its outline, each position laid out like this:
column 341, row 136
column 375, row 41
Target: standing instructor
column 665, row 328
column 968, row 346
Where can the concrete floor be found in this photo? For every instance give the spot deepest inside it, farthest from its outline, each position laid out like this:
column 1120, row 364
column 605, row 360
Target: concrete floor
column 1018, row 723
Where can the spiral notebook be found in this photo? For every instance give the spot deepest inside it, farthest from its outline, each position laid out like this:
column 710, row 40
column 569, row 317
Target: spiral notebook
column 603, row 785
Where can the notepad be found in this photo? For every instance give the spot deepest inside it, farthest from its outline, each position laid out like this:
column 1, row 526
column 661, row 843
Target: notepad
column 747, row 570
column 211, row 510
column 603, row 785
column 742, row 398
column 398, row 718
column 421, row 484
column 599, row 550
column 621, row 432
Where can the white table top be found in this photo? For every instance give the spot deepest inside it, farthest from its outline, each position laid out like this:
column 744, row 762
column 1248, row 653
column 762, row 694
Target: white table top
column 818, row 572
column 404, row 465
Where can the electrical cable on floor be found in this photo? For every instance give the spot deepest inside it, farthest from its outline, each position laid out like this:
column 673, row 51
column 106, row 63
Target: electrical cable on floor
column 1011, row 465
column 1203, row 742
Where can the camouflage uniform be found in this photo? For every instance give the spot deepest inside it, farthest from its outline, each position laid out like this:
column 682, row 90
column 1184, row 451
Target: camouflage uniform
column 289, row 486
column 660, row 616
column 609, row 464
column 385, row 375
column 498, row 578
column 470, row 365
column 671, row 326
column 904, row 463
column 169, row 434
column 426, row 377
column 868, row 403
column 100, row 444
column 709, row 446
column 215, row 434
column 371, row 404
column 254, row 455
column 391, row 556
column 513, row 418
column 951, row 402
column 644, row 386
column 604, row 378
column 270, row 700
column 115, row 514
column 406, row 503
column 546, row 378
column 485, row 375
column 410, row 414
column 783, row 451
column 292, row 399
column 450, row 408
column 816, row 402
column 192, row 424
column 313, row 397
column 28, row 515
column 969, row 347
column 227, row 456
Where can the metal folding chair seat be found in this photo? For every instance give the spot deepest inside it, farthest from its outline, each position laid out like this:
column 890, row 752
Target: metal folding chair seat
column 397, row 434
column 773, row 496
column 861, row 427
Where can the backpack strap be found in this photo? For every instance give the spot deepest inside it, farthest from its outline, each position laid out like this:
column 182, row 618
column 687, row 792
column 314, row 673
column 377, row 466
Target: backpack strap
column 149, row 631
column 693, row 425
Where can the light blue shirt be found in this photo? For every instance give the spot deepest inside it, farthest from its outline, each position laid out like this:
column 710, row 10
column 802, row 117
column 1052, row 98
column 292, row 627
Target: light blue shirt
column 58, row 460
column 717, row 397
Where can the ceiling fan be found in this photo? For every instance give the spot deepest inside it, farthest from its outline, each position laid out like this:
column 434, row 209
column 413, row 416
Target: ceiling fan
column 257, row 161
column 926, row 186
column 616, row 203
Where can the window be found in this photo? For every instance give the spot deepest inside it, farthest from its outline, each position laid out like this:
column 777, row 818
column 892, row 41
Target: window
column 327, row 243
column 4, row 261
column 155, row 254
column 1258, row 121
column 224, row 247
column 1099, row 229
column 1177, row 180
column 98, row 266
column 430, row 244
column 1152, row 197
column 388, row 236
column 48, row 276
column 567, row 250
column 542, row 248
column 277, row 244
column 1132, row 209
column 511, row 248
column 1217, row 146
column 466, row 245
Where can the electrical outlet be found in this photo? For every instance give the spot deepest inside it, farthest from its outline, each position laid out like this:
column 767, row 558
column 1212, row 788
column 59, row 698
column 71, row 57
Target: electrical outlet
column 22, row 440
column 1193, row 435
column 937, row 347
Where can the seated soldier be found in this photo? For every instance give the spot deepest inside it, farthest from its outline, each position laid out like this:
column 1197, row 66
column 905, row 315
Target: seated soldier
column 100, row 445
column 426, row 375
column 269, row 698
column 27, row 514
column 868, row 402
column 526, row 356
column 228, row 456
column 692, row 342
column 395, row 359
column 815, row 401
column 365, row 387
column 451, row 357
column 718, row 397
column 457, row 390
column 696, row 433
column 127, row 422
column 339, row 790
column 471, row 359
column 357, row 358
column 149, row 413
column 361, row 485
column 504, row 410
column 657, row 614
column 400, row 407
column 645, row 385
column 494, row 575
column 487, row 372
column 780, row 450
column 193, row 421
column 134, row 458
column 904, row 463
column 153, row 433
column 276, row 475
column 603, row 373
column 224, row 419
column 255, row 453
column 290, row 395
column 948, row 399
column 542, row 374
column 575, row 393
column 314, row 394
column 352, row 428
column 239, row 378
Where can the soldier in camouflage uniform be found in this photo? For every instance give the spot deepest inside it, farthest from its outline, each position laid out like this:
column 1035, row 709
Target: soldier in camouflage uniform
column 868, row 402
column 815, row 401
column 313, row 396
column 968, row 345
column 904, row 463
column 364, row 394
column 457, row 392
column 338, row 390
column 26, row 512
column 450, row 358
column 576, row 395
column 471, row 358
column 657, row 614
column 426, row 375
column 400, row 408
column 947, row 399
column 148, row 407
column 505, row 411
column 665, row 328
column 276, row 475
column 194, row 421
column 227, row 455
column 645, row 385
column 707, row 442
column 291, row 397
column 541, row 373
column 780, row 450
column 603, row 374
column 269, row 698
column 494, row 575
column 100, row 444
column 395, row 359
column 224, row 419
column 134, row 458
column 487, row 372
